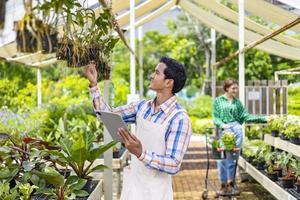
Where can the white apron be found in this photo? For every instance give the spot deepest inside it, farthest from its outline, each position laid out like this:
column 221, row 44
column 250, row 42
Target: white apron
column 140, row 182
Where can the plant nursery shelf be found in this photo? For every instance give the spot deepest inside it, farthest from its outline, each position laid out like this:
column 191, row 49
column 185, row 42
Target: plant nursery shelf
column 268, row 184
column 282, row 144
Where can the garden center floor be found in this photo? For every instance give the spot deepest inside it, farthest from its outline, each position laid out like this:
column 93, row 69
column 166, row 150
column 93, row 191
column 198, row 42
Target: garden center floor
column 188, row 184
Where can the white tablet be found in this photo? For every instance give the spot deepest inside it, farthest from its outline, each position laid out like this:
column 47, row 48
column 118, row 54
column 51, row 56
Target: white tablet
column 112, row 122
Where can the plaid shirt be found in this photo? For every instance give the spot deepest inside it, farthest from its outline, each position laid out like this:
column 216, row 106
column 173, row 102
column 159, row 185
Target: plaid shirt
column 225, row 112
column 177, row 135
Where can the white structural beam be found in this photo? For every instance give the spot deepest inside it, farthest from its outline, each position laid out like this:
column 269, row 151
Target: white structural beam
column 39, row 87
column 140, row 10
column 108, row 173
column 270, row 12
column 232, row 15
column 141, row 81
column 241, row 53
column 213, row 61
column 132, row 45
column 231, row 31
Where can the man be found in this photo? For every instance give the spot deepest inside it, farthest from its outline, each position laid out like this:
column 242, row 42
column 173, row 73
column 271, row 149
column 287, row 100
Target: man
column 163, row 132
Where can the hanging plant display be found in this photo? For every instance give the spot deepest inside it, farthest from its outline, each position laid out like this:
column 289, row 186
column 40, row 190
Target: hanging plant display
column 34, row 34
column 2, row 13
column 88, row 38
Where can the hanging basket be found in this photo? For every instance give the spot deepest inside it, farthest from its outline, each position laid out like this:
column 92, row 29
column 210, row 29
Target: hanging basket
column 2, row 13
column 33, row 35
column 79, row 56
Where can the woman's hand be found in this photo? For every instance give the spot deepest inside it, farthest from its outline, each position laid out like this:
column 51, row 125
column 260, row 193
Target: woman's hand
column 91, row 73
column 225, row 126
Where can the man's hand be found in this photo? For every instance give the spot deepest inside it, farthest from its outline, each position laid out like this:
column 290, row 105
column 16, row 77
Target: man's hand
column 132, row 143
column 91, row 73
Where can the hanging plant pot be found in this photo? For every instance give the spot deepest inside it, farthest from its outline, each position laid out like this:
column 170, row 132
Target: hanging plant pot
column 232, row 155
column 2, row 13
column 283, row 136
column 287, row 182
column 33, row 35
column 79, row 56
column 275, row 133
column 295, row 140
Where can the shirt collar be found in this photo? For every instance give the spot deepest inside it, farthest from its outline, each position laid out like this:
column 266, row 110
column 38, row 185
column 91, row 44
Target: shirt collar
column 167, row 105
column 224, row 97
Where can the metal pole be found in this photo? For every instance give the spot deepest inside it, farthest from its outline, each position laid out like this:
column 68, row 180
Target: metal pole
column 141, row 85
column 108, row 173
column 39, row 87
column 241, row 53
column 213, row 61
column 132, row 45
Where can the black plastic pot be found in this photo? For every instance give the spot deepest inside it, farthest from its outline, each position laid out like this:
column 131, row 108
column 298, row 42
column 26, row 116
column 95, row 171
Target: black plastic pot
column 297, row 187
column 90, row 186
column 232, row 155
column 215, row 154
column 278, row 171
column 287, row 182
column 260, row 165
column 275, row 133
column 49, row 43
column 273, row 176
column 250, row 159
column 283, row 136
column 118, row 153
column 295, row 140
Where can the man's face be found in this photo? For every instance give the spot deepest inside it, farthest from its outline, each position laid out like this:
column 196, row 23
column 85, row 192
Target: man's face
column 158, row 81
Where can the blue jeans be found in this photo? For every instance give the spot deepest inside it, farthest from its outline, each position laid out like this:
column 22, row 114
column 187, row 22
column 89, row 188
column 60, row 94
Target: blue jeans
column 226, row 168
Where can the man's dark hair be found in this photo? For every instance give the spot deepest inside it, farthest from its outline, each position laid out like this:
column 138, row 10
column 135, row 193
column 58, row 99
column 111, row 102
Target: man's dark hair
column 175, row 71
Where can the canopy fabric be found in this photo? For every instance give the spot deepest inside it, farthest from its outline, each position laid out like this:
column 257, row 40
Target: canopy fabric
column 140, row 10
column 292, row 3
column 270, row 12
column 231, row 31
column 231, row 15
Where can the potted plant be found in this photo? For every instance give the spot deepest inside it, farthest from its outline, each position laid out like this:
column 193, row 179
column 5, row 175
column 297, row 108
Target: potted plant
column 276, row 126
column 69, row 188
column 294, row 132
column 90, row 41
column 270, row 159
column 80, row 156
column 33, row 34
column 254, row 132
column 2, row 13
column 285, row 160
column 260, row 157
column 229, row 142
column 217, row 151
column 296, row 166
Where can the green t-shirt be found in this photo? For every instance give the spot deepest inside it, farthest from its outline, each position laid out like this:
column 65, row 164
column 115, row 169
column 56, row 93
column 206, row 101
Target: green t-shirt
column 225, row 112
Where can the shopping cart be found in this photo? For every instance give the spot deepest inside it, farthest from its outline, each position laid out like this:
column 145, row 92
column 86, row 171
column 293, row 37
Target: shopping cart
column 214, row 184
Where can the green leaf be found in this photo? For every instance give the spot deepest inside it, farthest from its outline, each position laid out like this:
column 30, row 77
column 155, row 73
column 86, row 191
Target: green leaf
column 51, row 176
column 71, row 180
column 79, row 185
column 95, row 153
column 99, row 167
column 81, row 193
column 66, row 145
